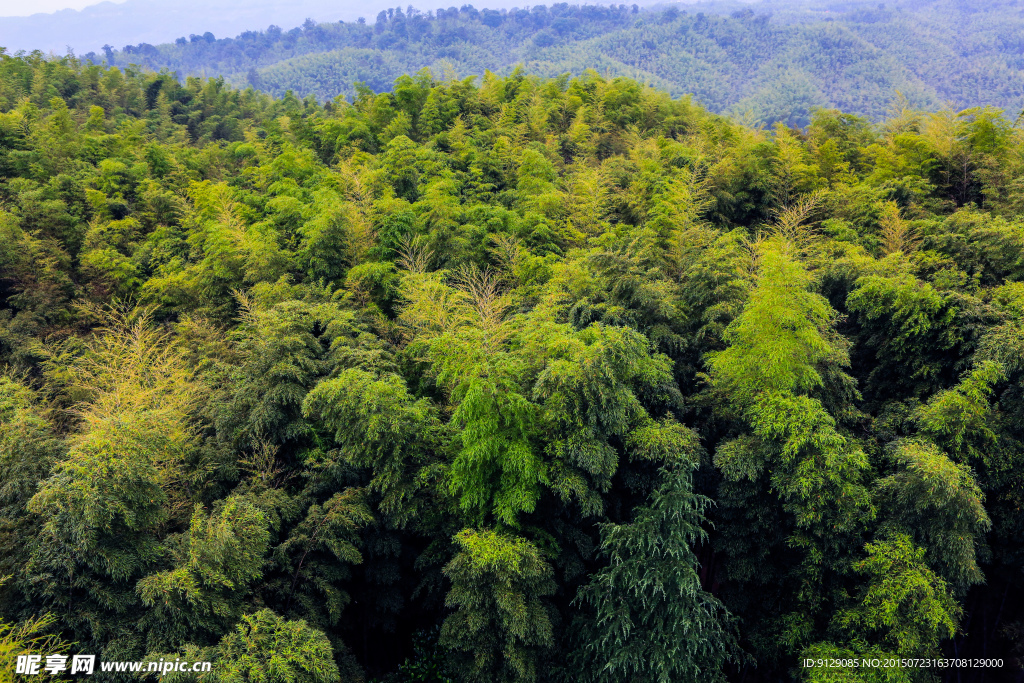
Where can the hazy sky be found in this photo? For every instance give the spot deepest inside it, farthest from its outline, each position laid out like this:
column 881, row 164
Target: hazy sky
column 22, row 8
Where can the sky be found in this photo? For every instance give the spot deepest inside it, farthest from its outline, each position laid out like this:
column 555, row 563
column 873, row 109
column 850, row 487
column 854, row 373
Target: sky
column 24, row 25
column 23, row 8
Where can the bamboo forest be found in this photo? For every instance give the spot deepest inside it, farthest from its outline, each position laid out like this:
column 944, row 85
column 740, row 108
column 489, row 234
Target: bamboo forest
column 508, row 379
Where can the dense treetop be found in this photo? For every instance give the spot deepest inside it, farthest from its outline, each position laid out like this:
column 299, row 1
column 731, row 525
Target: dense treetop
column 510, row 379
column 767, row 62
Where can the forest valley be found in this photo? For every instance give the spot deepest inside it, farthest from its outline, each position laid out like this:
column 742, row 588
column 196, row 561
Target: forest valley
column 506, row 379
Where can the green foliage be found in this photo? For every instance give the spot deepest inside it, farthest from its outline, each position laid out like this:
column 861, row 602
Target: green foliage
column 938, row 502
column 778, row 347
column 264, row 647
column 652, row 620
column 378, row 425
column 428, row 663
column 28, row 449
column 780, row 337
column 270, row 357
column 315, row 557
column 222, row 554
column 501, row 624
column 904, row 603
column 104, row 502
column 957, row 418
column 911, row 326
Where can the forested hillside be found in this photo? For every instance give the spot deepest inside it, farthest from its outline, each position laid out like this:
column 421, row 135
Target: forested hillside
column 514, row 380
column 770, row 62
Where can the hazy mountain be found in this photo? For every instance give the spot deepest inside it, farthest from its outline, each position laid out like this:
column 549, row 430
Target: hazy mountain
column 765, row 62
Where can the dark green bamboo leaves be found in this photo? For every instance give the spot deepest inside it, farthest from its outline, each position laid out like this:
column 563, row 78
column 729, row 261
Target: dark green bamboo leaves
column 651, row 619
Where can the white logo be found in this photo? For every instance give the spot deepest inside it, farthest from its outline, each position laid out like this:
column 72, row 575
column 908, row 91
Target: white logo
column 28, row 664
column 83, row 664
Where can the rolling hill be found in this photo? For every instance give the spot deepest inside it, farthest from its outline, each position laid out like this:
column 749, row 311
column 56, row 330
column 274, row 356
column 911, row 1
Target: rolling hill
column 763, row 63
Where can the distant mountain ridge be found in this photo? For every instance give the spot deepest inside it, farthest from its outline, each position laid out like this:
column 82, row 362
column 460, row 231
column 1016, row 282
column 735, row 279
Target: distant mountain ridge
column 767, row 62
column 772, row 61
